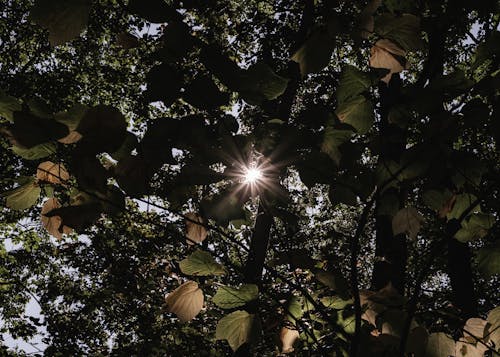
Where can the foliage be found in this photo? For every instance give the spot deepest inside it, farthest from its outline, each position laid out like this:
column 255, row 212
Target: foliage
column 128, row 127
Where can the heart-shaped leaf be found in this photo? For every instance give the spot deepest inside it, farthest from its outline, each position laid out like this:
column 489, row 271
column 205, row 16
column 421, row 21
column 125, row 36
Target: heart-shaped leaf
column 201, row 263
column 186, row 301
column 237, row 328
column 228, row 297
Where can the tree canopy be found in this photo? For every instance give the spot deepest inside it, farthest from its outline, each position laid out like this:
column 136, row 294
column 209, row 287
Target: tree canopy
column 276, row 177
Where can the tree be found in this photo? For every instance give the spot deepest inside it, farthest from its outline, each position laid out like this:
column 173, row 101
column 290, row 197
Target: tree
column 250, row 178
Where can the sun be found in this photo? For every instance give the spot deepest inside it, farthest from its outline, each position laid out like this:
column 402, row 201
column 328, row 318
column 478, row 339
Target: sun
column 252, row 175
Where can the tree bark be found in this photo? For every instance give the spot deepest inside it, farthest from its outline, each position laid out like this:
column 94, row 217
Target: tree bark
column 390, row 250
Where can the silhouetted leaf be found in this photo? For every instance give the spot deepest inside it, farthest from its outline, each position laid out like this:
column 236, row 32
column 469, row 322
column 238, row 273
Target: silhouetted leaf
column 315, row 53
column 65, row 19
column 36, row 152
column 489, row 260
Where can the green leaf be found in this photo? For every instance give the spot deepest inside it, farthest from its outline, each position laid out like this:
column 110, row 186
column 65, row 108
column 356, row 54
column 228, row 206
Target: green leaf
column 439, row 345
column 333, row 137
column 403, row 29
column 357, row 112
column 176, row 42
column 36, row 152
column 238, row 328
column 229, row 298
column 462, row 204
column 294, row 309
column 352, row 82
column 201, row 263
column 8, row 105
column 487, row 51
column 24, row 196
column 334, row 280
column 226, row 206
column 489, row 260
column 65, row 19
column 315, row 53
column 475, row 226
column 259, row 79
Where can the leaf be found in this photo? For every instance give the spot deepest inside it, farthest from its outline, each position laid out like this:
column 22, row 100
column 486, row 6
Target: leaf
column 333, row 280
column 237, row 328
column 164, row 83
column 71, row 118
column 36, row 152
column 475, row 226
column 201, row 263
column 103, row 128
column 463, row 203
column 229, row 298
column 407, row 220
column 186, row 301
column 439, row 344
column 24, row 196
column 155, row 11
column 489, row 260
column 294, row 309
column 352, row 82
column 29, row 130
column 8, row 105
column 357, row 112
column 260, row 82
column 366, row 20
column 82, row 213
column 53, row 224
column 493, row 328
column 195, row 233
column 65, row 19
column 464, row 349
column 50, row 172
column 417, row 341
column 402, row 29
column 176, row 42
column 226, row 206
column 315, row 53
column 333, row 137
column 288, row 338
column 474, row 327
column 127, row 41
column 203, row 93
column 381, row 57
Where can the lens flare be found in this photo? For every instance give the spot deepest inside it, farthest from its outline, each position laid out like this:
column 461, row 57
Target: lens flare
column 252, row 175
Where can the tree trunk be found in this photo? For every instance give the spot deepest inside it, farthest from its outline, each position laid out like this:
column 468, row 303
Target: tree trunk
column 390, row 250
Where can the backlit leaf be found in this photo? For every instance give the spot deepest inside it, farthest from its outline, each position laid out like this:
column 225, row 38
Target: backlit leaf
column 439, row 344
column 237, row 328
column 201, row 263
column 53, row 224
column 381, row 56
column 195, row 231
column 186, row 301
column 36, row 152
column 228, row 297
column 488, row 259
column 50, row 172
column 357, row 112
column 288, row 338
column 8, row 105
column 24, row 196
column 407, row 220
